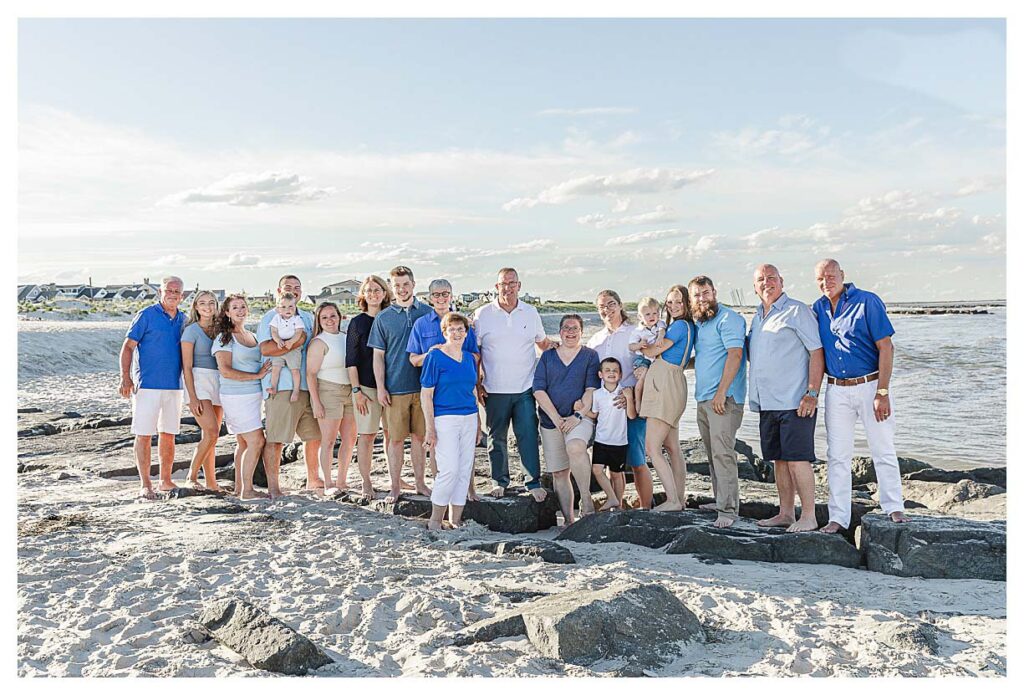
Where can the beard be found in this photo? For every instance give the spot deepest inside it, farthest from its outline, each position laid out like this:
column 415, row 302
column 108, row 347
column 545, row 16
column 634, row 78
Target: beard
column 707, row 314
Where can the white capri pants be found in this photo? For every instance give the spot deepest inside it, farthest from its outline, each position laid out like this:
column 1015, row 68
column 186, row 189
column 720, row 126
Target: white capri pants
column 453, row 454
column 843, row 406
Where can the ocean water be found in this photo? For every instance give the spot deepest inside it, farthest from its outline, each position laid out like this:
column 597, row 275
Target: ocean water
column 949, row 382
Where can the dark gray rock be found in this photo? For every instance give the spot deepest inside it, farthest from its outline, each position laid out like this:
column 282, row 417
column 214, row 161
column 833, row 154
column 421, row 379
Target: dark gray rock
column 934, row 547
column 862, row 468
column 263, row 640
column 636, row 526
column 547, row 551
column 764, row 509
column 766, row 545
column 991, row 476
column 747, row 468
column 908, row 636
column 509, row 514
column 987, row 475
column 949, row 498
column 639, row 623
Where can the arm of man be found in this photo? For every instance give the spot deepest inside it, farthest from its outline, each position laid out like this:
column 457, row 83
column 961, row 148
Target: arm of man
column 125, row 359
column 297, row 339
column 631, row 412
column 883, row 407
column 732, row 367
column 378, row 374
column 815, row 373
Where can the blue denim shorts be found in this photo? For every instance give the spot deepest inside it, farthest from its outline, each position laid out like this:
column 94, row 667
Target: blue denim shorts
column 641, row 361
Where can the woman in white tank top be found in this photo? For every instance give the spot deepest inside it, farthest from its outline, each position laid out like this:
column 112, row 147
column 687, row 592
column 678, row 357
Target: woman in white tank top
column 330, row 393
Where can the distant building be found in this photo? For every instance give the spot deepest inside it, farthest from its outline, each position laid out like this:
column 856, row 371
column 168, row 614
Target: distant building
column 344, row 292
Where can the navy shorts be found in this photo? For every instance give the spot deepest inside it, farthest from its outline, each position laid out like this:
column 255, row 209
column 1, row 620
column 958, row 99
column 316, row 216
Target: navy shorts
column 610, row 455
column 787, row 437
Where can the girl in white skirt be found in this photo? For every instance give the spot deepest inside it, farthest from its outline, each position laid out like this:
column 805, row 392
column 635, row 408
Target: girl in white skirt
column 241, row 367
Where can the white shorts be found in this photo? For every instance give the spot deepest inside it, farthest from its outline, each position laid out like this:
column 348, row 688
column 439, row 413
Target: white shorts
column 207, row 383
column 156, row 410
column 242, row 412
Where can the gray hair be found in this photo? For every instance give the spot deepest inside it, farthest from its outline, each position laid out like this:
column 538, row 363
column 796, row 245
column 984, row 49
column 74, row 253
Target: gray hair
column 828, row 262
column 766, row 266
column 439, row 284
column 171, row 278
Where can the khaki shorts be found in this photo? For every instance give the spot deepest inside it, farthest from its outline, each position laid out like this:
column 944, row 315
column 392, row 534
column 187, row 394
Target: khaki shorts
column 553, row 441
column 405, row 416
column 336, row 399
column 291, row 359
column 369, row 423
column 286, row 419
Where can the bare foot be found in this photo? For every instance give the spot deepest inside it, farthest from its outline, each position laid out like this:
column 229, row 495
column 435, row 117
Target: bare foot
column 195, row 485
column 724, row 521
column 294, row 398
column 804, row 525
column 777, row 520
column 423, row 490
column 831, row 527
column 314, row 485
column 368, row 491
column 252, row 495
column 898, row 518
column 406, row 485
column 276, row 494
column 667, row 506
column 392, row 497
column 166, row 487
column 499, row 491
column 710, row 507
column 434, row 526
column 147, row 493
column 539, row 494
column 471, row 496
column 610, row 505
column 342, row 486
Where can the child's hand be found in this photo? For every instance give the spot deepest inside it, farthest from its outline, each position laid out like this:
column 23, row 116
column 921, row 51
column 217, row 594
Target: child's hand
column 280, row 343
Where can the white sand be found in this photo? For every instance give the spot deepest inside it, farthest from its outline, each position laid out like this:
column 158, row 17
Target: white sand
column 383, row 595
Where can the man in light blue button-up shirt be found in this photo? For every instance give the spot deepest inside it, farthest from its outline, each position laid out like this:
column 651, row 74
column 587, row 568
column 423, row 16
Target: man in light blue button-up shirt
column 786, row 367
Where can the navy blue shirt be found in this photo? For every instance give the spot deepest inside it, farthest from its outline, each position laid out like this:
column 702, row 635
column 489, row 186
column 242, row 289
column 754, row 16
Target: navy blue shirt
column 390, row 332
column 848, row 336
column 453, row 383
column 565, row 384
column 426, row 333
column 159, row 350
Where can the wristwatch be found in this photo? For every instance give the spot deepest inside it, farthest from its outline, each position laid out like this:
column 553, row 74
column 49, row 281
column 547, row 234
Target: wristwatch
column 813, row 393
column 357, row 389
column 577, row 416
column 882, row 392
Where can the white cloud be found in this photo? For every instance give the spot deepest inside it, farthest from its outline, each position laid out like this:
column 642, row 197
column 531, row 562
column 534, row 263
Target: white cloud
column 643, row 237
column 697, row 249
column 253, row 190
column 170, row 259
column 981, row 185
column 589, row 111
column 796, row 136
column 661, row 214
column 240, row 259
column 639, row 180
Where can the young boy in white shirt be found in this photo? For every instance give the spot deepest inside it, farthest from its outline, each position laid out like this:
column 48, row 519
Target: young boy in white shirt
column 610, row 444
column 288, row 331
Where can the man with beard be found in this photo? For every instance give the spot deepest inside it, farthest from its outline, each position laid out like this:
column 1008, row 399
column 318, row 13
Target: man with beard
column 786, row 366
column 721, row 389
column 857, row 338
column 398, row 382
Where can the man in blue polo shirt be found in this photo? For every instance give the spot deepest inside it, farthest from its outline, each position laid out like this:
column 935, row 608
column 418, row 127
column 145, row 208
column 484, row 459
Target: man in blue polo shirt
column 154, row 385
column 398, row 382
column 721, row 389
column 426, row 332
column 856, row 335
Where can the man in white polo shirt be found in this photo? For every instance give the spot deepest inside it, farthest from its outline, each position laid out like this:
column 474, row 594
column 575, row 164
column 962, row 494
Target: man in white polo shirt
column 508, row 332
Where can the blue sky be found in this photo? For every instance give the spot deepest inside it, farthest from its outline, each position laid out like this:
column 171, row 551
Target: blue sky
column 630, row 154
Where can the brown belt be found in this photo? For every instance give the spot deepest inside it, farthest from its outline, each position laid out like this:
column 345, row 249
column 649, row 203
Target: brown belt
column 855, row 381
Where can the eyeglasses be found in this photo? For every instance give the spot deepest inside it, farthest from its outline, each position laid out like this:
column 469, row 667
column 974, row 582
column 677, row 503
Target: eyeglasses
column 609, row 305
column 440, row 295
column 570, row 329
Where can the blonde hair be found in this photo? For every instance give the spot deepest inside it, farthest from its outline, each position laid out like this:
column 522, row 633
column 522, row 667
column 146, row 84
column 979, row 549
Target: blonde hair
column 647, row 302
column 193, row 312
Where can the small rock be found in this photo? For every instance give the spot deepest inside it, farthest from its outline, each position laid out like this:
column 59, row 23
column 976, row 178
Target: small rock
column 905, row 636
column 547, row 551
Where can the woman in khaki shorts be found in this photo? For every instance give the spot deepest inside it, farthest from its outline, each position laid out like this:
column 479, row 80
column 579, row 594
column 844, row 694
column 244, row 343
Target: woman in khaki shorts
column 373, row 297
column 330, row 392
column 664, row 398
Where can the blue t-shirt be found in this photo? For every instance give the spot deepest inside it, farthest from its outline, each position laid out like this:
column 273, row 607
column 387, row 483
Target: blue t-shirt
column 263, row 334
column 848, row 337
column 159, row 349
column 202, row 346
column 426, row 333
column 244, row 359
column 453, row 383
column 565, row 384
column 682, row 334
column 715, row 337
column 390, row 332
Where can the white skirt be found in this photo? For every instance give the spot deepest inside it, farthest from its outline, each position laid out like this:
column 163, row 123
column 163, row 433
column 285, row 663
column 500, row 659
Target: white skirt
column 242, row 412
column 207, row 382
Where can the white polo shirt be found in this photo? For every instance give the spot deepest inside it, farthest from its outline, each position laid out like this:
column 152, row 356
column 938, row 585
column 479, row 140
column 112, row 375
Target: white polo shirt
column 611, row 421
column 616, row 345
column 507, row 343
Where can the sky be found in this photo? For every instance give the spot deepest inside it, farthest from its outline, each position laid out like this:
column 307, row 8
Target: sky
column 589, row 154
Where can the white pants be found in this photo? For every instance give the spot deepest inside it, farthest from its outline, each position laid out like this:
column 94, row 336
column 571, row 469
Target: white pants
column 156, row 410
column 843, row 406
column 453, row 454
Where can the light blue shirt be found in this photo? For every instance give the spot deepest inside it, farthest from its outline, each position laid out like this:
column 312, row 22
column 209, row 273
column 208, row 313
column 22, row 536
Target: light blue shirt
column 202, row 346
column 778, row 347
column 244, row 359
column 715, row 337
column 284, row 383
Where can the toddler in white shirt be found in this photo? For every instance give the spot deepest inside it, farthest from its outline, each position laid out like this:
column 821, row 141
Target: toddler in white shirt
column 649, row 330
column 288, row 331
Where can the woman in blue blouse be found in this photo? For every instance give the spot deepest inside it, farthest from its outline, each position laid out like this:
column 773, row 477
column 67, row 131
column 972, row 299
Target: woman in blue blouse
column 664, row 397
column 448, row 397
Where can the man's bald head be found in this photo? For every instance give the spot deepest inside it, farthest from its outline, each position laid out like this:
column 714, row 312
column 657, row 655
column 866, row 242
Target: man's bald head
column 767, row 283
column 829, row 277
column 828, row 264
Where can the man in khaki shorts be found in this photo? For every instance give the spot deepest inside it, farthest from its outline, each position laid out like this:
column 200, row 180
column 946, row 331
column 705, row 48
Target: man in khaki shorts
column 398, row 382
column 286, row 418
